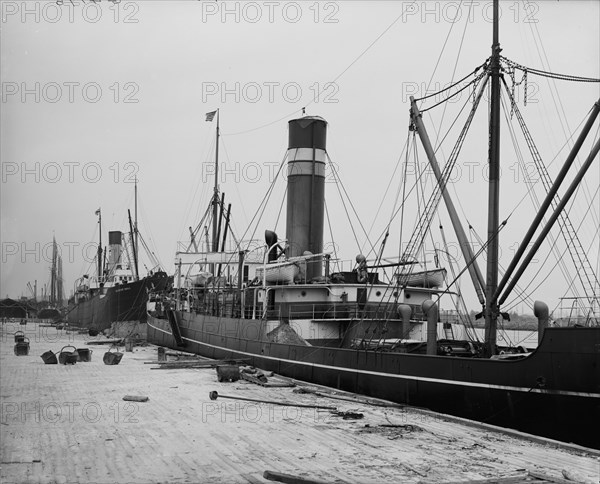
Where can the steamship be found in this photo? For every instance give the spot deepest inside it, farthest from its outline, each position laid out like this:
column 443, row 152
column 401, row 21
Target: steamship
column 115, row 294
column 287, row 307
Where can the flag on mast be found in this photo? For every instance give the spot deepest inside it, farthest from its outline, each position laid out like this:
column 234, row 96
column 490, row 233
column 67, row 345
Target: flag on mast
column 97, row 212
column 210, row 116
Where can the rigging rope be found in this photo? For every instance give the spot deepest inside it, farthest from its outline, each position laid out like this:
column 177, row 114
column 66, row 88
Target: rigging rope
column 339, row 185
column 551, row 75
column 474, row 82
column 455, row 84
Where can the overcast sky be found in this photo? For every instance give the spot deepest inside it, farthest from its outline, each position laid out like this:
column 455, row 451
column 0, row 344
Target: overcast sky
column 95, row 95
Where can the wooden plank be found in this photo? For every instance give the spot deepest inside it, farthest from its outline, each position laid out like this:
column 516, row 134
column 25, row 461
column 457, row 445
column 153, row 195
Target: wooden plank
column 558, row 480
column 174, row 365
column 514, row 479
column 186, row 354
column 289, row 479
column 106, row 342
column 206, row 362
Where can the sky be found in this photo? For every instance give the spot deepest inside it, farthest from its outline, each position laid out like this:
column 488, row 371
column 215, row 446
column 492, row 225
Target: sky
column 98, row 94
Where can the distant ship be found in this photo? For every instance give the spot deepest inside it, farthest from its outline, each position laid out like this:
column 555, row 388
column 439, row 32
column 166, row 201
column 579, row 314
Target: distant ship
column 116, row 293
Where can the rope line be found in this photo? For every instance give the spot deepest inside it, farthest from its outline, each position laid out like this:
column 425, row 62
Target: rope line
column 551, row 75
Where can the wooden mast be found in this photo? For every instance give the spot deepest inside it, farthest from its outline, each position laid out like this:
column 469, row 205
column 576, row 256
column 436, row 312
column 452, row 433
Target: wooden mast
column 136, row 247
column 491, row 307
column 215, row 236
column 53, row 274
column 135, row 256
column 99, row 213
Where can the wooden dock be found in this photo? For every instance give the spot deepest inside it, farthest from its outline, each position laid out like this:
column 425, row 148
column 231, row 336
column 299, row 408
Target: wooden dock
column 70, row 424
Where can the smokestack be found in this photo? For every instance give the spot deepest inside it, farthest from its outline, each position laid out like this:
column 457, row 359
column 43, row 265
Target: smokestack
column 306, row 189
column 114, row 250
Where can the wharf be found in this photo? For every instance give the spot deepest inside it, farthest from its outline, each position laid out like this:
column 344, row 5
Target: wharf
column 70, row 424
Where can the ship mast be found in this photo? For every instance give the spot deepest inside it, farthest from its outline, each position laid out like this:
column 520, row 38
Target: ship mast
column 215, row 236
column 491, row 306
column 53, row 274
column 135, row 232
column 135, row 256
column 99, row 213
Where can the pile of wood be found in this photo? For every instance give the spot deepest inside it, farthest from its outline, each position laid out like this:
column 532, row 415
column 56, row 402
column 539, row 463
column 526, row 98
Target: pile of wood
column 193, row 363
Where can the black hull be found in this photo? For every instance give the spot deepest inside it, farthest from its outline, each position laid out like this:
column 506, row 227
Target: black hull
column 49, row 313
column 554, row 392
column 125, row 302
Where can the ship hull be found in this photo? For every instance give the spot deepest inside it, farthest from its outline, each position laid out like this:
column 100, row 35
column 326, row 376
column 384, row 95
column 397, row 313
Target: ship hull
column 125, row 302
column 554, row 392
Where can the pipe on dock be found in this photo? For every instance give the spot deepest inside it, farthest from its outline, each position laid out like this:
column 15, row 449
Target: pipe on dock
column 214, row 395
column 431, row 311
column 540, row 310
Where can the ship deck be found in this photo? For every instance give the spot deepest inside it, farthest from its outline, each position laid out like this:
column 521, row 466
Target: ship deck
column 70, row 424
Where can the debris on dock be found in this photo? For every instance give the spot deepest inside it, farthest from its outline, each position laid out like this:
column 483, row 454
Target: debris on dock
column 135, row 398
